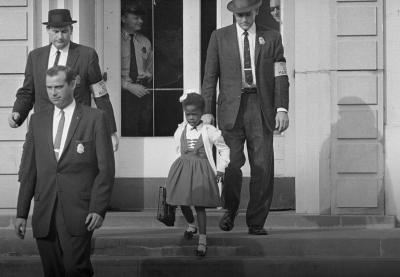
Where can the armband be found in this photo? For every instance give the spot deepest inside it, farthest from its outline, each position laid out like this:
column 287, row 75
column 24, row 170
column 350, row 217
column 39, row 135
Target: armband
column 99, row 89
column 280, row 69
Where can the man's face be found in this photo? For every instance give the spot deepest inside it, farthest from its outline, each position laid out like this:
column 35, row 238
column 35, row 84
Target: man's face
column 132, row 22
column 59, row 91
column 60, row 36
column 275, row 9
column 245, row 20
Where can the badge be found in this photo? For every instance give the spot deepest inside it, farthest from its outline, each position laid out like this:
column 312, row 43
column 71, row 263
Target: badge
column 80, row 148
column 78, row 80
column 261, row 40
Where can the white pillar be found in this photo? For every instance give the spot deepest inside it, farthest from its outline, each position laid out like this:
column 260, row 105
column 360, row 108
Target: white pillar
column 192, row 44
column 392, row 126
column 312, row 104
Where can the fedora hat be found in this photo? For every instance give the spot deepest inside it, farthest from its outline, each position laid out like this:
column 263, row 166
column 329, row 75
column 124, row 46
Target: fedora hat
column 243, row 6
column 59, row 18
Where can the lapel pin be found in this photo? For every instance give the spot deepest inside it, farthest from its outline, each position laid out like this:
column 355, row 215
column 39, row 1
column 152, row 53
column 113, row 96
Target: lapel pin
column 80, row 148
column 261, row 40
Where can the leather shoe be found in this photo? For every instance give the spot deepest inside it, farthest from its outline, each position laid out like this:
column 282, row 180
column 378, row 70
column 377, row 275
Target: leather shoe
column 258, row 231
column 227, row 221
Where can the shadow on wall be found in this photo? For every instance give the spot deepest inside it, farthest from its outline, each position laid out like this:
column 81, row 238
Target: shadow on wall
column 353, row 156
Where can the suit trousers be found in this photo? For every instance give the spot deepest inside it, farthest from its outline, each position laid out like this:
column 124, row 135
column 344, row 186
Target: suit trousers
column 63, row 255
column 250, row 128
column 136, row 115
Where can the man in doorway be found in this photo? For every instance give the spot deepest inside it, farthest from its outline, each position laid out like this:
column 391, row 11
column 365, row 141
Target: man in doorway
column 249, row 64
column 62, row 51
column 67, row 166
column 136, row 73
column 275, row 9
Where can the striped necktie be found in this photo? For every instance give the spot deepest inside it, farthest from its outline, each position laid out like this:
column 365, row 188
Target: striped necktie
column 57, row 140
column 57, row 58
column 248, row 75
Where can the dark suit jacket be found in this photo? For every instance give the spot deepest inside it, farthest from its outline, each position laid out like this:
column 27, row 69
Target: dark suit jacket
column 83, row 60
column 81, row 182
column 223, row 64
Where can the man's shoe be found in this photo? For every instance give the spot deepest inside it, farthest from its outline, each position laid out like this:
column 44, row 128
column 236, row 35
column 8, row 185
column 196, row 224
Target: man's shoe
column 227, row 221
column 258, row 231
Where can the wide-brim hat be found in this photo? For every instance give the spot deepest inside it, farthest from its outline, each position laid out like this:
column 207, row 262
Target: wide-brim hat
column 59, row 18
column 243, row 6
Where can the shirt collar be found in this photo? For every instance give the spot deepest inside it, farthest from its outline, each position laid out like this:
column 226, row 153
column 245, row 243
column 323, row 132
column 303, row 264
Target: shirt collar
column 197, row 128
column 53, row 49
column 67, row 110
column 126, row 34
column 251, row 31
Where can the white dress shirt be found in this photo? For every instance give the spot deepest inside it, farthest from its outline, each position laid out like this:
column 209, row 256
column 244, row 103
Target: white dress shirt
column 252, row 34
column 252, row 43
column 53, row 54
column 68, row 112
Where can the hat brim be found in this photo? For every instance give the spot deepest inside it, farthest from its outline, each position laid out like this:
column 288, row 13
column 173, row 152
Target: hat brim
column 59, row 24
column 231, row 7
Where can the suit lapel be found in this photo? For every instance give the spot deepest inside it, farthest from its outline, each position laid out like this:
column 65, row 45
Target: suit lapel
column 73, row 54
column 41, row 66
column 257, row 46
column 76, row 117
column 48, row 130
column 233, row 38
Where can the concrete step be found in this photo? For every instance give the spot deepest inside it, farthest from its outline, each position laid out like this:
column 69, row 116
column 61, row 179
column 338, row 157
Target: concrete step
column 106, row 266
column 276, row 220
column 170, row 243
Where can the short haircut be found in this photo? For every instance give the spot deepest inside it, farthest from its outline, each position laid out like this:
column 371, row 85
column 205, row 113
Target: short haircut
column 194, row 99
column 135, row 8
column 69, row 73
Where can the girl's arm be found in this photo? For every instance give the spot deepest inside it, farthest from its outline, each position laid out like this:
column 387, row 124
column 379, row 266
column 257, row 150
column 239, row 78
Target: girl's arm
column 222, row 148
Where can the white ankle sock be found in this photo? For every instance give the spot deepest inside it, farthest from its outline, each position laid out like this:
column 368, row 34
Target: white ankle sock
column 203, row 239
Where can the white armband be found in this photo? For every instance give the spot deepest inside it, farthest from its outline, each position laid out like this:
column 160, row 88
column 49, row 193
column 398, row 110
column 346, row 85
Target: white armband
column 99, row 89
column 280, row 69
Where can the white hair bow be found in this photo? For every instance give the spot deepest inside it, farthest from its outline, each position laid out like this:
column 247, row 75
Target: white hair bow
column 185, row 94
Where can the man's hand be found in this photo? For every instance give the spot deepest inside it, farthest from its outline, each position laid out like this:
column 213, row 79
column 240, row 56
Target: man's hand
column 282, row 121
column 220, row 176
column 115, row 141
column 13, row 118
column 93, row 221
column 136, row 89
column 207, row 118
column 20, row 227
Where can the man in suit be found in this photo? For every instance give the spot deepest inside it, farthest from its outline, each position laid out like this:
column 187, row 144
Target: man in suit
column 62, row 51
column 67, row 166
column 253, row 101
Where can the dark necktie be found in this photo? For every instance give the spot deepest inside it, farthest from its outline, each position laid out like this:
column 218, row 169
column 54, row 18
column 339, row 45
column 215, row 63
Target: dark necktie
column 57, row 140
column 57, row 58
column 133, row 70
column 248, row 75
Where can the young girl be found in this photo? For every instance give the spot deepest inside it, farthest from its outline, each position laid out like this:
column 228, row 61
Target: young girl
column 192, row 178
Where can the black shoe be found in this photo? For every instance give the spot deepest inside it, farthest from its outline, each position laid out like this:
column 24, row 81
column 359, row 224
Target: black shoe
column 201, row 250
column 227, row 221
column 258, row 231
column 189, row 234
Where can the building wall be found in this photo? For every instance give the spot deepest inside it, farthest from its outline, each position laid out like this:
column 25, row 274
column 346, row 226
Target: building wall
column 16, row 39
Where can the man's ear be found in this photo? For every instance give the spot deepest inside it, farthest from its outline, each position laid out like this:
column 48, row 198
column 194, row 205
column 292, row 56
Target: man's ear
column 73, row 84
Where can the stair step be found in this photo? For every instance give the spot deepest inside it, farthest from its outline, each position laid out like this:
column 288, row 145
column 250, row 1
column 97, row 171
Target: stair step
column 106, row 266
column 276, row 220
column 170, row 243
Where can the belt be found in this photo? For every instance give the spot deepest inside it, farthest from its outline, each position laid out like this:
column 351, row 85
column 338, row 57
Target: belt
column 249, row 90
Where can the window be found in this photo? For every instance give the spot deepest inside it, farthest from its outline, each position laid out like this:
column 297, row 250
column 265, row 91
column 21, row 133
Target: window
column 152, row 85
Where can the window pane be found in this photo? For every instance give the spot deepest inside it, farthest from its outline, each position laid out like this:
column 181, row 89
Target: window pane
column 168, row 44
column 168, row 111
column 152, row 81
